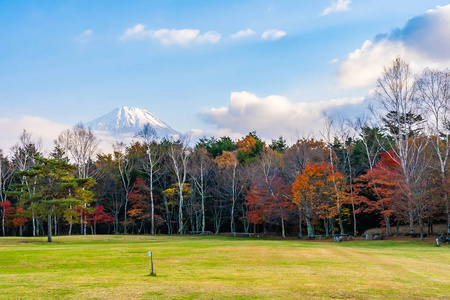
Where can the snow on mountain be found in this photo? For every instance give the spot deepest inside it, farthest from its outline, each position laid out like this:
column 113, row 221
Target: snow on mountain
column 129, row 121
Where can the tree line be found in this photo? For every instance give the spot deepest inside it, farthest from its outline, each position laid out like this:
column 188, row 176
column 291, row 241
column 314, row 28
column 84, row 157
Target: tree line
column 387, row 168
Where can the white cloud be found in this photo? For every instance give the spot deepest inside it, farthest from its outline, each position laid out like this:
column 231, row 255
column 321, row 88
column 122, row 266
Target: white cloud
column 272, row 34
column 337, row 6
column 274, row 115
column 242, row 34
column 40, row 128
column 423, row 42
column 87, row 32
column 136, row 32
column 171, row 36
column 84, row 37
column 333, row 61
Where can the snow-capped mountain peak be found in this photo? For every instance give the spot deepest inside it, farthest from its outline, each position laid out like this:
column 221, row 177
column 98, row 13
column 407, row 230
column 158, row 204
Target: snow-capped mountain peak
column 130, row 120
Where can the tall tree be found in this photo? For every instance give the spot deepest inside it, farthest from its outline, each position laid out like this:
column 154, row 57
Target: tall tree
column 434, row 94
column 396, row 95
column 54, row 186
column 179, row 155
column 201, row 169
column 126, row 159
column 6, row 172
column 81, row 144
column 150, row 166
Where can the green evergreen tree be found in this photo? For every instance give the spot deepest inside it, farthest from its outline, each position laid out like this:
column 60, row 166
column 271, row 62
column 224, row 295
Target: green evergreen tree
column 53, row 187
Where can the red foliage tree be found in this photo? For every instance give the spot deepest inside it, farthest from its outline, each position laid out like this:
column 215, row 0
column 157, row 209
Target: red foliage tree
column 378, row 188
column 267, row 203
column 98, row 216
column 14, row 217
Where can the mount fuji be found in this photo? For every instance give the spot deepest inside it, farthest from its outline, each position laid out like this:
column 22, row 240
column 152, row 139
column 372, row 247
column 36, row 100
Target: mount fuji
column 129, row 121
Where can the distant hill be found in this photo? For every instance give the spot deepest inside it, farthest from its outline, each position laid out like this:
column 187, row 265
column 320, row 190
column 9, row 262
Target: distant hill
column 129, row 121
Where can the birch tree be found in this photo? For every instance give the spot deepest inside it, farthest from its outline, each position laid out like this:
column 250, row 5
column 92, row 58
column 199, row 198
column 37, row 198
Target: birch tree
column 150, row 166
column 179, row 156
column 125, row 161
column 434, row 94
column 396, row 96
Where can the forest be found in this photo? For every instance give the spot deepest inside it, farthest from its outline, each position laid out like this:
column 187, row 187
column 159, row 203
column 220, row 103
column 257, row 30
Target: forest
column 387, row 168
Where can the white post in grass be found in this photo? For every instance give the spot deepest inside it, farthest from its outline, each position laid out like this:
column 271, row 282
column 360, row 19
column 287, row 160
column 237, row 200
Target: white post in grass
column 151, row 260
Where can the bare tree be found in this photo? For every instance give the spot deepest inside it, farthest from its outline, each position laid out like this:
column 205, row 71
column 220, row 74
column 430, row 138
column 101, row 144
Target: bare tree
column 179, row 155
column 149, row 138
column 200, row 170
column 126, row 163
column 23, row 157
column 81, row 144
column 434, row 94
column 396, row 95
column 328, row 135
column 6, row 172
column 227, row 164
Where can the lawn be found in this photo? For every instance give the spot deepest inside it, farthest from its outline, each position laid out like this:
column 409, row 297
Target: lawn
column 209, row 267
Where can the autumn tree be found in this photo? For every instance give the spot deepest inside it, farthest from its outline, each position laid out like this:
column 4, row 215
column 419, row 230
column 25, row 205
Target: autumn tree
column 249, row 147
column 98, row 216
column 378, row 188
column 227, row 164
column 314, row 191
column 140, row 208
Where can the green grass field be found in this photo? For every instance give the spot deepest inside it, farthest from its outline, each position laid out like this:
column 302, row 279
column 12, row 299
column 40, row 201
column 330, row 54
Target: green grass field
column 208, row 267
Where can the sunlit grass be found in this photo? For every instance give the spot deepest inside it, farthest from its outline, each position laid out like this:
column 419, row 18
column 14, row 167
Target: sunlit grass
column 206, row 267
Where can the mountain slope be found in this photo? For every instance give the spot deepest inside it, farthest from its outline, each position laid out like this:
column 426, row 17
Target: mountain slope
column 129, row 121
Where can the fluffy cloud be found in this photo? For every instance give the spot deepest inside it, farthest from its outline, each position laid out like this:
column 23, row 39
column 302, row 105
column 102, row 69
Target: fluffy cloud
column 423, row 42
column 272, row 34
column 242, row 34
column 41, row 129
column 171, row 36
column 337, row 6
column 274, row 115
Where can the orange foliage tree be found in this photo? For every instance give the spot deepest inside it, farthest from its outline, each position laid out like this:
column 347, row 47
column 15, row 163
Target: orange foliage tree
column 315, row 193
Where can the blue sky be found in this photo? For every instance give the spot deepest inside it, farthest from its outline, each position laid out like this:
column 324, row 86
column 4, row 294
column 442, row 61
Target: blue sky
column 63, row 62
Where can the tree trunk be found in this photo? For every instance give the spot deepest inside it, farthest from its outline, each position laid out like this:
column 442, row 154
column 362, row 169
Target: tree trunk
column 153, row 205
column 49, row 227
column 411, row 223
column 233, row 229
column 300, row 235
column 180, row 211
column 3, row 223
column 203, row 213
column 33, row 221
column 341, row 224
column 125, row 219
column 421, row 228
column 309, row 224
column 387, row 220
